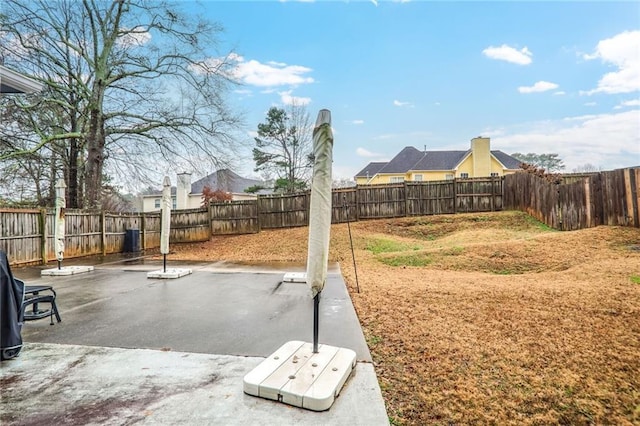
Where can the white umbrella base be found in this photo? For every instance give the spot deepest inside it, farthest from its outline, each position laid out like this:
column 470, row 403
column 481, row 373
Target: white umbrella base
column 295, row 277
column 170, row 273
column 296, row 376
column 66, row 270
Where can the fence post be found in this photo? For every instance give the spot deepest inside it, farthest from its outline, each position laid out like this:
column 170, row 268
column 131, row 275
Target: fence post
column 43, row 232
column 455, row 195
column 142, row 230
column 103, row 225
column 629, row 181
column 406, row 198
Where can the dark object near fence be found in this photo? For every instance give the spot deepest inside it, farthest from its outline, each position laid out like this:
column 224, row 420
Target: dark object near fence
column 132, row 241
column 11, row 296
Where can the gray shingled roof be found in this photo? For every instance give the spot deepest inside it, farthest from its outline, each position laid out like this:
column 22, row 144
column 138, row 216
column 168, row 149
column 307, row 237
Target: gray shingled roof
column 412, row 159
column 508, row 161
column 439, row 160
column 224, row 180
column 371, row 168
column 405, row 160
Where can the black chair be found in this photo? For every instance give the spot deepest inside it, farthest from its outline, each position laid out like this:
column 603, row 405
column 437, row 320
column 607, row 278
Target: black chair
column 34, row 298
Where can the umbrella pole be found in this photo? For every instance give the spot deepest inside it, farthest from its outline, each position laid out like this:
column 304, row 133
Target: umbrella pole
column 316, row 305
column 353, row 254
column 164, row 262
column 59, row 264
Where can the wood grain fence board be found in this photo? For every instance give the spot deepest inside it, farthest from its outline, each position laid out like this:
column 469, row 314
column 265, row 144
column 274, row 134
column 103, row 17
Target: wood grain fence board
column 20, row 235
column 237, row 217
column 344, row 205
column 283, row 211
column 381, row 201
column 190, row 225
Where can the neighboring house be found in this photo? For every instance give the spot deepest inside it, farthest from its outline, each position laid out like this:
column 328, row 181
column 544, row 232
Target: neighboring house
column 413, row 165
column 14, row 82
column 187, row 195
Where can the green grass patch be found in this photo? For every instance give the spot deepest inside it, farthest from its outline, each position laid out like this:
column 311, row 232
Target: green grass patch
column 536, row 223
column 635, row 279
column 414, row 259
column 453, row 251
column 374, row 340
column 380, row 245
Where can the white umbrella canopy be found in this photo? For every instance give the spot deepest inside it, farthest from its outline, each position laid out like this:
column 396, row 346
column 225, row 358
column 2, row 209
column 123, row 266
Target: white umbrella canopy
column 320, row 208
column 61, row 204
column 165, row 216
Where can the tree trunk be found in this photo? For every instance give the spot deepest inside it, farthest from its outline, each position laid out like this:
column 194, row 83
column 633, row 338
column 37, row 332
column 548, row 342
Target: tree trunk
column 72, row 182
column 95, row 149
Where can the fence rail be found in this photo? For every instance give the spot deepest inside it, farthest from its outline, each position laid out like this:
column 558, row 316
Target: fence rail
column 607, row 198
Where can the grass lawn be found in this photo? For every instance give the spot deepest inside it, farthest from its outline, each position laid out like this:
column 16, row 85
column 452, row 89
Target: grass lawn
column 484, row 318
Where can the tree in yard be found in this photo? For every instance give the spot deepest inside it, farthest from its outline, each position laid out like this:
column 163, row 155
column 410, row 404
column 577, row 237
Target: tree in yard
column 284, row 147
column 552, row 163
column 127, row 85
column 211, row 196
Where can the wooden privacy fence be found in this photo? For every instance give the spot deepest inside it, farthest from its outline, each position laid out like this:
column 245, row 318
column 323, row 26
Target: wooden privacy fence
column 27, row 235
column 604, row 198
column 358, row 203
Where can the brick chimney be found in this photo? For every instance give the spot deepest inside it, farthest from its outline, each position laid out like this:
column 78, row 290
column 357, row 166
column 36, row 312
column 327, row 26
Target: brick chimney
column 481, row 152
column 183, row 189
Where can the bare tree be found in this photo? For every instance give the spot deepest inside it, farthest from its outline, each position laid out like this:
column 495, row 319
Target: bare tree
column 284, row 147
column 128, row 84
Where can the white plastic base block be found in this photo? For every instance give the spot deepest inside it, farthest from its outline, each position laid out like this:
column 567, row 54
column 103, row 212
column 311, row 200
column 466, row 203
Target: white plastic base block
column 295, row 277
column 66, row 270
column 169, row 273
column 296, row 376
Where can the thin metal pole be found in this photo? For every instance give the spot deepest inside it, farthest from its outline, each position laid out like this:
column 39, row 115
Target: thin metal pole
column 59, row 264
column 353, row 254
column 164, row 262
column 316, row 306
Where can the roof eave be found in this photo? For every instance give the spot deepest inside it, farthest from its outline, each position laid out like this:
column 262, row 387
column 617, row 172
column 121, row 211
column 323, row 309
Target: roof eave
column 17, row 82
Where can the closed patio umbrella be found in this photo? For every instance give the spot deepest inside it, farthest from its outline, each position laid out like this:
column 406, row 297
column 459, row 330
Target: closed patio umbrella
column 320, row 213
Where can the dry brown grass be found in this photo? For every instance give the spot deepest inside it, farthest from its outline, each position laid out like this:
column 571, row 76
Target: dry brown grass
column 503, row 322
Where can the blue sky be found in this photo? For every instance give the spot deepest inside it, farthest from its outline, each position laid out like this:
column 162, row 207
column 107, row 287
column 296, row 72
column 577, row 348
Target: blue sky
column 534, row 76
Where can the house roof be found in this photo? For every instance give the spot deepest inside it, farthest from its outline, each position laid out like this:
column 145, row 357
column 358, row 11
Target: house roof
column 405, row 160
column 224, row 180
column 412, row 159
column 371, row 168
column 439, row 160
column 508, row 161
column 14, row 82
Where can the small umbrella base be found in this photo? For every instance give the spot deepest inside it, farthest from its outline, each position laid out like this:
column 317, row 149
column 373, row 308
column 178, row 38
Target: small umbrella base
column 66, row 270
column 296, row 376
column 169, row 273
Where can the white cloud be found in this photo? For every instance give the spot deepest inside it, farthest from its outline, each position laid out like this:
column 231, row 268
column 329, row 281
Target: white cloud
column 509, row 54
column 590, row 104
column 623, row 52
column 362, row 152
column 255, row 73
column 559, row 93
column 287, row 99
column 540, row 86
column 357, row 122
column 635, row 102
column 402, row 104
column 375, row 2
column 609, row 141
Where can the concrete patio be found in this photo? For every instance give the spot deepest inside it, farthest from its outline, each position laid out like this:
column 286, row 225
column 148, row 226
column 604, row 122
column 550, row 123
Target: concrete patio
column 152, row 351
